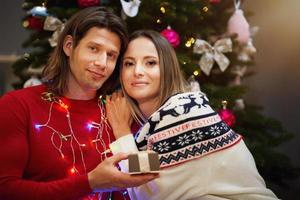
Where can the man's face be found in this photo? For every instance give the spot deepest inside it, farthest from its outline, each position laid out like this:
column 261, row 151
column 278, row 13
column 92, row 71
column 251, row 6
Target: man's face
column 92, row 61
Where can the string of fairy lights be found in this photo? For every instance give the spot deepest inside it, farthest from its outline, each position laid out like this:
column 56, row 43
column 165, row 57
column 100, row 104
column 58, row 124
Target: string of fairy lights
column 103, row 127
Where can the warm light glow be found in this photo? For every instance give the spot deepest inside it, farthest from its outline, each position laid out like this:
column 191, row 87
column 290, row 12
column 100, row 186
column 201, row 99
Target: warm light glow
column 205, row 8
column 25, row 23
column 196, row 72
column 158, row 21
column 188, row 44
column 72, row 170
column 163, row 10
column 63, row 105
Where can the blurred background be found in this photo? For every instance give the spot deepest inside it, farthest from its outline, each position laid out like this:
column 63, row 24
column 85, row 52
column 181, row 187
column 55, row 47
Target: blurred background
column 277, row 65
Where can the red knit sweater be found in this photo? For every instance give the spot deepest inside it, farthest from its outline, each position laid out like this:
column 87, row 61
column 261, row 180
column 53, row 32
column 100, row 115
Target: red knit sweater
column 31, row 167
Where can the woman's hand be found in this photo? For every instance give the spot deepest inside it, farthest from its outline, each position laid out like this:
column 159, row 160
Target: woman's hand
column 118, row 114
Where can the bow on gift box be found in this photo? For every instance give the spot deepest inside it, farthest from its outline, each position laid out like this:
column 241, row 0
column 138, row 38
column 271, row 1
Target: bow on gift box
column 213, row 53
column 53, row 24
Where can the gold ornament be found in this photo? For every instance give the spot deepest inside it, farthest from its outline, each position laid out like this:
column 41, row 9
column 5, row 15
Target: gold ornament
column 196, row 72
column 213, row 53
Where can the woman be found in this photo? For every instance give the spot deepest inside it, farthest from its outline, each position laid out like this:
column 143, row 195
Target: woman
column 200, row 156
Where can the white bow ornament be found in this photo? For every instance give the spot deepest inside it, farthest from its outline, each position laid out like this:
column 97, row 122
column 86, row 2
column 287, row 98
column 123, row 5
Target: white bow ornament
column 213, row 53
column 130, row 8
column 53, row 24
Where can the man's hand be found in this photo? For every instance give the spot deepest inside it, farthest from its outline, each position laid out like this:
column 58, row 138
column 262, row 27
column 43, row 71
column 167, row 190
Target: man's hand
column 107, row 177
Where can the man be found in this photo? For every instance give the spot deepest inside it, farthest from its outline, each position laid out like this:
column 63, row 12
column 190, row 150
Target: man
column 54, row 136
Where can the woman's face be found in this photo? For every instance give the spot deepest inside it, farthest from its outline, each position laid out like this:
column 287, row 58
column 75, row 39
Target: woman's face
column 141, row 71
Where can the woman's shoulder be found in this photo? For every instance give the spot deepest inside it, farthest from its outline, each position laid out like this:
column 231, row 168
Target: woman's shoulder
column 186, row 99
column 187, row 95
column 179, row 108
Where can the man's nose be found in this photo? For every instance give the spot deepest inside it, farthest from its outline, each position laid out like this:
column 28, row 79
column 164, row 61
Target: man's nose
column 101, row 60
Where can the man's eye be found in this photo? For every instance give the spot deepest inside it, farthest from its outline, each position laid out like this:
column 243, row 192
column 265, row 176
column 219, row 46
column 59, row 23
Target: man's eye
column 92, row 48
column 111, row 56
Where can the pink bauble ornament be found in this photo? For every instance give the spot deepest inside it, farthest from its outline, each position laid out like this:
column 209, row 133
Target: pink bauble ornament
column 172, row 36
column 88, row 3
column 214, row 1
column 227, row 115
column 238, row 24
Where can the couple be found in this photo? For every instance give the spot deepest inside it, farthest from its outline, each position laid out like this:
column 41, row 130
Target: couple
column 55, row 135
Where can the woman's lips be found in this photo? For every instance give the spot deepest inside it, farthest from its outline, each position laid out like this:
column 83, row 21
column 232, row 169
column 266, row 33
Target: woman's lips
column 139, row 83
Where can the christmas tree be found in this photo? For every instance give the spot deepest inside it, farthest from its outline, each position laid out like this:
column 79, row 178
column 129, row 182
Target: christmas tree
column 213, row 42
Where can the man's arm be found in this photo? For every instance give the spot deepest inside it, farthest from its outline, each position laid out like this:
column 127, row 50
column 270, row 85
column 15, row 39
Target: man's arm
column 14, row 157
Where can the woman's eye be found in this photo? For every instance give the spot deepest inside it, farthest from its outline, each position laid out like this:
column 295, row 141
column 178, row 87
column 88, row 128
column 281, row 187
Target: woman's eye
column 127, row 64
column 152, row 62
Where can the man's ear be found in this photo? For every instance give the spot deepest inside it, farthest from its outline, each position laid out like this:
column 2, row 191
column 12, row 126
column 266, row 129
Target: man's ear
column 68, row 45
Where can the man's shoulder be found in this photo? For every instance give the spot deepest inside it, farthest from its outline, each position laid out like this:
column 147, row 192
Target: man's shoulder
column 25, row 93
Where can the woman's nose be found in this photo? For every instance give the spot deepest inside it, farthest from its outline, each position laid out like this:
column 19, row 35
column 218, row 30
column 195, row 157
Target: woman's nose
column 139, row 70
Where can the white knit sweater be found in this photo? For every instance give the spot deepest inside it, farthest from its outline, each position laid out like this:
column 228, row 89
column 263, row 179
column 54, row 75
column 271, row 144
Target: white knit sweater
column 219, row 167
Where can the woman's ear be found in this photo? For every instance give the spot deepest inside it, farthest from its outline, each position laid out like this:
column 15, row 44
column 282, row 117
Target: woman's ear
column 68, row 45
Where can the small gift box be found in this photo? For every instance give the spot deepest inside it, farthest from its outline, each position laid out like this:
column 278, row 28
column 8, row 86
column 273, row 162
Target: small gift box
column 143, row 162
